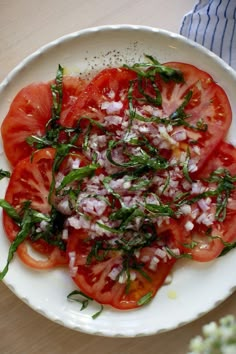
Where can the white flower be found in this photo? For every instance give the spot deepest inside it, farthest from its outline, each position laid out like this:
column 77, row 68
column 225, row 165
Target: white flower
column 217, row 338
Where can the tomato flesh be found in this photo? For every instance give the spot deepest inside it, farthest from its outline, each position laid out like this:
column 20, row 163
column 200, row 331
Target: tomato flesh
column 96, row 277
column 209, row 247
column 31, row 180
column 108, row 271
column 29, row 113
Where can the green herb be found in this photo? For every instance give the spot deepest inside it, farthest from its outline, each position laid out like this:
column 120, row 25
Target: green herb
column 126, row 221
column 228, row 247
column 147, row 76
column 98, row 313
column 132, row 112
column 139, row 240
column 185, row 167
column 10, row 210
column 78, row 175
column 57, row 93
column 143, row 159
column 155, row 99
column 80, row 297
column 27, row 220
column 167, row 182
column 153, row 67
column 179, row 115
column 52, row 232
column 108, row 228
column 4, row 174
column 191, row 245
column 53, row 128
column 145, row 299
column 177, row 256
column 177, row 118
column 106, row 182
column 160, row 210
column 123, row 213
column 26, row 224
column 141, row 184
column 98, row 251
column 225, row 186
column 83, row 299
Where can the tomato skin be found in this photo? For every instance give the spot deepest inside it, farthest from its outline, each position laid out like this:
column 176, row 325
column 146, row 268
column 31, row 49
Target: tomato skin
column 209, row 248
column 106, row 86
column 72, row 88
column 224, row 156
column 92, row 277
column 29, row 113
column 31, row 180
column 54, row 257
column 209, row 102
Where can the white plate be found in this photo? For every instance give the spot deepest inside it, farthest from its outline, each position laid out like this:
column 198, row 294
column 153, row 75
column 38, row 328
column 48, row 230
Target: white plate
column 196, row 288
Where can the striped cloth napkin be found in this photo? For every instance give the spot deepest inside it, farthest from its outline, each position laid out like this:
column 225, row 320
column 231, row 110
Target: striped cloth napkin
column 212, row 23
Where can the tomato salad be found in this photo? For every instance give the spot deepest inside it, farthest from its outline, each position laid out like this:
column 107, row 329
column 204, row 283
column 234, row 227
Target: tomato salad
column 119, row 177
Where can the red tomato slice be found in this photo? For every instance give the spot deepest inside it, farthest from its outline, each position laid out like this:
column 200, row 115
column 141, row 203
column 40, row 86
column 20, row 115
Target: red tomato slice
column 109, row 85
column 208, row 248
column 209, row 103
column 72, row 88
column 31, row 180
column 224, row 156
column 30, row 112
column 96, row 277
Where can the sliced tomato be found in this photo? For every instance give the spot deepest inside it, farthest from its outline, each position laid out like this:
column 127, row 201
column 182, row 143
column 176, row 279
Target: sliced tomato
column 224, row 156
column 30, row 181
column 208, row 246
column 94, row 275
column 109, row 85
column 208, row 103
column 29, row 113
column 72, row 88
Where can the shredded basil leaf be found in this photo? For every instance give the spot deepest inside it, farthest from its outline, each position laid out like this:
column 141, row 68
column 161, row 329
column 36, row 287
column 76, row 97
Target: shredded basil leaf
column 4, row 174
column 25, row 227
column 78, row 175
column 10, row 210
column 145, row 299
column 98, row 313
column 83, row 299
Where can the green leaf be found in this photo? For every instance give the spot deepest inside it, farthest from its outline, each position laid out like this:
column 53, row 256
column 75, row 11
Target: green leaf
column 83, row 299
column 228, row 247
column 107, row 228
column 78, row 175
column 145, row 299
column 185, row 168
column 160, row 210
column 4, row 174
column 98, row 313
column 26, row 225
column 154, row 67
column 57, row 94
column 10, row 210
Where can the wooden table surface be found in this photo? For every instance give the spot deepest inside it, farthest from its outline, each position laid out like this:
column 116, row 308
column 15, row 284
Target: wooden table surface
column 24, row 27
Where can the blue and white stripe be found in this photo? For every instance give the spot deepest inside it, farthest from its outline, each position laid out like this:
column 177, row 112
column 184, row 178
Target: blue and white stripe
column 212, row 23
